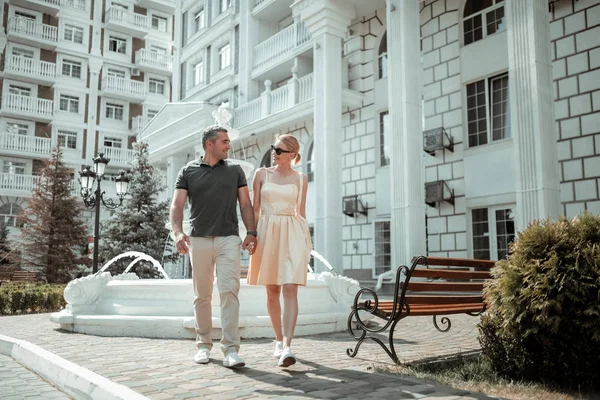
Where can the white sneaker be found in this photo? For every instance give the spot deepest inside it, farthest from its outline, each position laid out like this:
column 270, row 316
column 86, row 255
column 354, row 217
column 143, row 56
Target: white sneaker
column 287, row 358
column 202, row 356
column 278, row 349
column 233, row 360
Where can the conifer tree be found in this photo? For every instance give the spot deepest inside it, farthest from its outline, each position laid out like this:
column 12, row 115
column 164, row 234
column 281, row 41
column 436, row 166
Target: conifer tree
column 9, row 255
column 54, row 234
column 139, row 224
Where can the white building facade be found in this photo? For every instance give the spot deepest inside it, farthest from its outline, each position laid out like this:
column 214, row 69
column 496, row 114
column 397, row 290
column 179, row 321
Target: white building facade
column 439, row 126
column 83, row 74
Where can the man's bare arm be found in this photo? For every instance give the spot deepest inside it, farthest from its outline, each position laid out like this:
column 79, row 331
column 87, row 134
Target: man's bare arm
column 246, row 208
column 176, row 212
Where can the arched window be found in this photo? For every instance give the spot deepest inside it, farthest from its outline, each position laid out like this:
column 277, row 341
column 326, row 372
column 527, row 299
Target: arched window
column 9, row 213
column 482, row 18
column 310, row 167
column 382, row 57
column 267, row 160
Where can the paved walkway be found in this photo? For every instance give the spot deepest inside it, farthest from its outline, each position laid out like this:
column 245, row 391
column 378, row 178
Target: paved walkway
column 19, row 383
column 163, row 369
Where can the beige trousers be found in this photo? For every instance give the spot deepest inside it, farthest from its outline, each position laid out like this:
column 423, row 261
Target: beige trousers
column 224, row 252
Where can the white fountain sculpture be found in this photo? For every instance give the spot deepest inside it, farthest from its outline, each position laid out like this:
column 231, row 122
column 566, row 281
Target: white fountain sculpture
column 125, row 305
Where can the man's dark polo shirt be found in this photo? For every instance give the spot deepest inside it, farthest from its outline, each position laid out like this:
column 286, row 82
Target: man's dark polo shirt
column 213, row 195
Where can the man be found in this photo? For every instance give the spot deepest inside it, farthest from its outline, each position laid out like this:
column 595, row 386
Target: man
column 213, row 187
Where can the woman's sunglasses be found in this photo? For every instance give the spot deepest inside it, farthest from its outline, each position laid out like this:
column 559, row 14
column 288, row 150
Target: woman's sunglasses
column 278, row 151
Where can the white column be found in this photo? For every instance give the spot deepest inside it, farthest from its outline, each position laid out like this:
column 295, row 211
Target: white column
column 97, row 29
column 177, row 26
column 174, row 164
column 406, row 141
column 327, row 21
column 532, row 111
column 249, row 34
column 95, row 65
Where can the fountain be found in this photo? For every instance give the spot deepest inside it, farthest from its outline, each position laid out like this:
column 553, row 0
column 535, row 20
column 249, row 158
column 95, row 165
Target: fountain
column 125, row 305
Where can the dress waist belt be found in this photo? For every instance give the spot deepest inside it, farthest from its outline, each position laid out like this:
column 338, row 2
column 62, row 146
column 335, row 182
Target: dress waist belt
column 283, row 214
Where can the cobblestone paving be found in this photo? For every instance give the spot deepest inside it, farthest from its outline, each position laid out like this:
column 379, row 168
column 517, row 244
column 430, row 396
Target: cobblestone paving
column 163, row 369
column 19, row 383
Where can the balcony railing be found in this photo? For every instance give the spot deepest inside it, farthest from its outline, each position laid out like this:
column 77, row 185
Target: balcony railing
column 25, row 183
column 281, row 43
column 124, row 86
column 118, row 15
column 34, row 29
column 27, row 104
column 31, row 67
column 146, row 56
column 271, row 102
column 139, row 123
column 118, row 155
column 25, row 143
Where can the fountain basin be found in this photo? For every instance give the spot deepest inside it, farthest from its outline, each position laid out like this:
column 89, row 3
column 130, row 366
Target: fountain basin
column 157, row 308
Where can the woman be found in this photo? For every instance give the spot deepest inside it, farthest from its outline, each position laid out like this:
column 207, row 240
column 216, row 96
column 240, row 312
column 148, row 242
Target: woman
column 280, row 261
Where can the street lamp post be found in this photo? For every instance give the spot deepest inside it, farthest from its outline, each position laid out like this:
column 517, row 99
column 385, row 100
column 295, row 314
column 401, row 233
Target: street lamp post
column 93, row 198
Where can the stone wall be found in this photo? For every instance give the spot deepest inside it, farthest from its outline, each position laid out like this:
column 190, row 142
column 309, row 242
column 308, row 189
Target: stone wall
column 442, row 95
column 575, row 36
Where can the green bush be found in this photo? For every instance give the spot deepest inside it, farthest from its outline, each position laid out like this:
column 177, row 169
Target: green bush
column 29, row 298
column 544, row 318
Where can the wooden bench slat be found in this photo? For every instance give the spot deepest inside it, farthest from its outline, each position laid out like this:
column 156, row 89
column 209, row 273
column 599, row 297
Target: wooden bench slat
column 385, row 308
column 437, row 299
column 445, row 286
column 459, row 262
column 449, row 274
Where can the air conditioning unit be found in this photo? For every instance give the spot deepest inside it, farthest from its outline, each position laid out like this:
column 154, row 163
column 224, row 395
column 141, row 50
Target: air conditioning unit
column 135, row 72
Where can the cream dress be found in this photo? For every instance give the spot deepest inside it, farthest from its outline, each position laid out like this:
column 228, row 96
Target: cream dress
column 284, row 245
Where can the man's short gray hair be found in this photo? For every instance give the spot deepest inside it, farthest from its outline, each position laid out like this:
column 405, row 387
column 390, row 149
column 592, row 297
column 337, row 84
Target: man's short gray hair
column 211, row 133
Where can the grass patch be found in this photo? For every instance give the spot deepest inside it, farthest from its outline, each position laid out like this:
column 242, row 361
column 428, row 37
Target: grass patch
column 475, row 374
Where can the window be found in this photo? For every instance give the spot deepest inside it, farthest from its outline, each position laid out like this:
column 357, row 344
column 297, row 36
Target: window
column 13, row 167
column 159, row 23
column 383, row 251
column 113, row 142
column 67, row 139
column 384, row 145
column 116, row 73
column 199, row 20
column 117, row 45
column 9, row 213
column 69, row 103
column 158, row 49
column 482, row 108
column 71, row 68
column 310, row 163
column 18, row 52
column 267, row 160
column 19, row 90
column 198, row 73
column 114, row 111
column 493, row 231
column 151, row 113
column 224, row 5
column 156, row 86
column 73, row 34
column 383, row 57
column 225, row 56
column 482, row 18
column 16, row 128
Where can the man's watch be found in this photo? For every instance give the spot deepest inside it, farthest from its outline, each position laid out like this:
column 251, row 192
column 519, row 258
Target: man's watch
column 253, row 233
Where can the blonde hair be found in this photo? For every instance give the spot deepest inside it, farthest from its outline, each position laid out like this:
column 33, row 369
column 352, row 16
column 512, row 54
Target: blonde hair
column 292, row 144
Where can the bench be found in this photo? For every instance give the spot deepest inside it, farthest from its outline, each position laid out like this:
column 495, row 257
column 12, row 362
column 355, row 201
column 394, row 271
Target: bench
column 25, row 276
column 432, row 286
